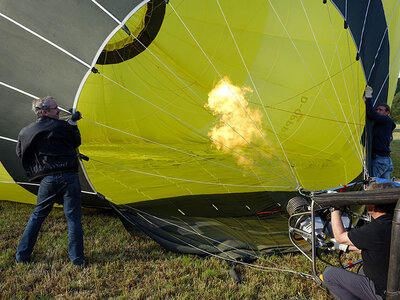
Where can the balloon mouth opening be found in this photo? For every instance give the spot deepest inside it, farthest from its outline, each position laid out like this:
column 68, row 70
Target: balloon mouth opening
column 137, row 34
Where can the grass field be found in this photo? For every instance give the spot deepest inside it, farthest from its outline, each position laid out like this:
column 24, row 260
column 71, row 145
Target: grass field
column 122, row 266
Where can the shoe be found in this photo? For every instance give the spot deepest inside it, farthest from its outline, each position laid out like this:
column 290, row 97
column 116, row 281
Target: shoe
column 17, row 261
column 80, row 266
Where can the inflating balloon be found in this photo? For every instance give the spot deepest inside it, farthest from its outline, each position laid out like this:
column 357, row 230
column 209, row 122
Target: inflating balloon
column 201, row 119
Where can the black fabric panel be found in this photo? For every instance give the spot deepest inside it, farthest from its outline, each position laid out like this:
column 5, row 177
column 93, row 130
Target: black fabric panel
column 240, row 238
column 153, row 20
column 372, row 43
column 254, row 223
column 374, row 55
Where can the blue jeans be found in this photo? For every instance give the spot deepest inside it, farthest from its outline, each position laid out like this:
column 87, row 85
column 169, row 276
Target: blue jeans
column 348, row 285
column 382, row 167
column 64, row 187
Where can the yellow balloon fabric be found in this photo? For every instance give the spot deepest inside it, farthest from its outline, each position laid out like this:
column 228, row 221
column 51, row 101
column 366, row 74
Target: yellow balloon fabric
column 11, row 191
column 230, row 97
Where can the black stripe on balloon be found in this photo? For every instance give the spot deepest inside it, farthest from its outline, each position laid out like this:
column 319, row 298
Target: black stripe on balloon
column 153, row 21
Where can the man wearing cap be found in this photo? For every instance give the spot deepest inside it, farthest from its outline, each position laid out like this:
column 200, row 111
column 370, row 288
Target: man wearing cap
column 48, row 152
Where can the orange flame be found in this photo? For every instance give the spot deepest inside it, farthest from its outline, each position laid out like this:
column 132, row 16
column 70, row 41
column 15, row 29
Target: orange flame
column 229, row 101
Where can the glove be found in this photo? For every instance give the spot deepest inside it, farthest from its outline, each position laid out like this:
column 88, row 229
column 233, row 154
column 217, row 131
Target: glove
column 337, row 246
column 76, row 116
column 368, row 92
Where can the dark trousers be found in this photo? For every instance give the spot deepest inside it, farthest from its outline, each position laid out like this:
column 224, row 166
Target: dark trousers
column 348, row 285
column 63, row 188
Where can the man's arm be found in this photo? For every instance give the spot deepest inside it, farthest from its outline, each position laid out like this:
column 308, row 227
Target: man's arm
column 339, row 233
column 76, row 116
column 371, row 113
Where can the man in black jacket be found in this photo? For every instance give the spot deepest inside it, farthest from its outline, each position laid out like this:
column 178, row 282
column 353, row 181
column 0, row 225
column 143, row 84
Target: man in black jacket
column 47, row 149
column 382, row 165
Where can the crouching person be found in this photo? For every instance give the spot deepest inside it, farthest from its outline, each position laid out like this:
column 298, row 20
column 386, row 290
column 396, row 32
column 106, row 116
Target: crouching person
column 373, row 241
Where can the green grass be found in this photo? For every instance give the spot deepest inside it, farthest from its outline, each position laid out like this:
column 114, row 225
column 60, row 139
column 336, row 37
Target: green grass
column 122, row 266
column 395, row 155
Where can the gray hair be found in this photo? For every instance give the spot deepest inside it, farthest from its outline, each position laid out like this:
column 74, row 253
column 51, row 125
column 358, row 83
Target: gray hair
column 41, row 104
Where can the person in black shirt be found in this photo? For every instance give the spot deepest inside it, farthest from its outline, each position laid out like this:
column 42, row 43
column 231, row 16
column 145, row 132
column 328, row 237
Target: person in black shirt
column 47, row 149
column 383, row 127
column 373, row 241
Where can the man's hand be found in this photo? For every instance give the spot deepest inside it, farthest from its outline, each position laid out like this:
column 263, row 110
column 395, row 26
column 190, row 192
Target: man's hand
column 368, row 92
column 76, row 116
